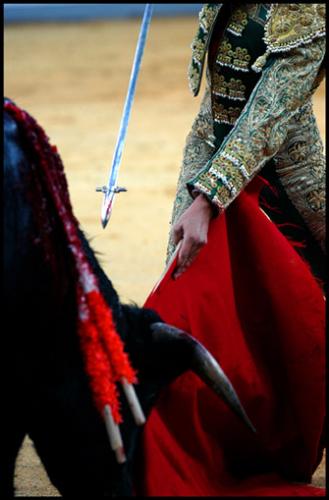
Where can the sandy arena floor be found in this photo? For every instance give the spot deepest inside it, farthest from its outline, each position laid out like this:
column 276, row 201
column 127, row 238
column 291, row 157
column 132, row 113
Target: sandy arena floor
column 73, row 79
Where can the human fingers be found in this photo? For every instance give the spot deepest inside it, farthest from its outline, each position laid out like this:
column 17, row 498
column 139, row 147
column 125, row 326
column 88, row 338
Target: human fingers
column 186, row 256
column 177, row 233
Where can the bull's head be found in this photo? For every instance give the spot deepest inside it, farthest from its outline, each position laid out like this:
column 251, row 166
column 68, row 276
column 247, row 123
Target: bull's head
column 159, row 352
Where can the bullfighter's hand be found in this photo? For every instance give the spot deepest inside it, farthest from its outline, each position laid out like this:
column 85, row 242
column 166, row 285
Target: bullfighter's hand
column 192, row 229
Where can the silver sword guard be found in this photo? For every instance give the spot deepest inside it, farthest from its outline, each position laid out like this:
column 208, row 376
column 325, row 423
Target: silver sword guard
column 109, row 194
column 115, row 190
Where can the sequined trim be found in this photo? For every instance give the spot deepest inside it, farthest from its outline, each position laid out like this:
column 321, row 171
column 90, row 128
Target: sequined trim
column 239, row 21
column 193, row 78
column 199, row 45
column 210, row 185
column 225, row 115
column 237, row 59
column 231, row 177
column 206, row 16
column 289, row 26
column 233, row 89
column 238, row 164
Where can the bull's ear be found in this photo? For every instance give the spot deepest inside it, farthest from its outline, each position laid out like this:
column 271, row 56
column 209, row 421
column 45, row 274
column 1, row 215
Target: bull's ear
column 203, row 364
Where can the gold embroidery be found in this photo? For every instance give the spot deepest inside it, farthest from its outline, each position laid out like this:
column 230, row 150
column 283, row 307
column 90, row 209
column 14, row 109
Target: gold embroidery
column 241, row 59
column 287, row 26
column 240, row 155
column 225, row 53
column 294, row 23
column 237, row 59
column 225, row 115
column 223, row 181
column 316, row 199
column 270, row 123
column 219, row 86
column 222, row 197
column 296, row 151
column 230, row 172
column 193, row 78
column 199, row 45
column 301, row 168
column 233, row 89
column 207, row 16
column 207, row 182
column 239, row 21
column 276, row 124
column 211, row 185
column 291, row 25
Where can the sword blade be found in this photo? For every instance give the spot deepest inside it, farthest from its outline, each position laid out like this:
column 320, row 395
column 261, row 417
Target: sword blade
column 111, row 189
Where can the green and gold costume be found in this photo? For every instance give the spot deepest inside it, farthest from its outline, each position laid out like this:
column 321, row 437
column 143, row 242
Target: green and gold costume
column 264, row 63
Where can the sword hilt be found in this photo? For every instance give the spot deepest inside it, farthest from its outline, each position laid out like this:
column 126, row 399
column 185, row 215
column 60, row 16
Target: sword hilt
column 115, row 190
column 108, row 201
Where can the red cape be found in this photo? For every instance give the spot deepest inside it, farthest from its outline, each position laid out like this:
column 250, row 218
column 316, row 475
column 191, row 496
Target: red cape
column 253, row 302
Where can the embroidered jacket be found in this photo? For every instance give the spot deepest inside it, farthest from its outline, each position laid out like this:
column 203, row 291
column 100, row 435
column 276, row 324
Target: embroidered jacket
column 276, row 122
column 288, row 26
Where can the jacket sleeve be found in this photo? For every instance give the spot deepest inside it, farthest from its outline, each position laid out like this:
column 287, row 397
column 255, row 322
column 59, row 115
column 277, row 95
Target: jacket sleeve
column 287, row 82
column 301, row 168
column 199, row 148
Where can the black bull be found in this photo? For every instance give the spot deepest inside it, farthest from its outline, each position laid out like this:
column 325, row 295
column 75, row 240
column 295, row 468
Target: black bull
column 46, row 393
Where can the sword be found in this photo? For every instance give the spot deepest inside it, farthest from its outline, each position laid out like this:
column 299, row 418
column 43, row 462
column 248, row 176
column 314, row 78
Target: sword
column 112, row 189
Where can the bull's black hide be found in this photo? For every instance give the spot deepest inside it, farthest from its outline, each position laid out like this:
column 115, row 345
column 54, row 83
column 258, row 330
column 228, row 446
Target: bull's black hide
column 45, row 391
column 47, row 395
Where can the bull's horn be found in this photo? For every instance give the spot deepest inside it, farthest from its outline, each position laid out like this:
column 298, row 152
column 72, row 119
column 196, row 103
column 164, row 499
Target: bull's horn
column 205, row 366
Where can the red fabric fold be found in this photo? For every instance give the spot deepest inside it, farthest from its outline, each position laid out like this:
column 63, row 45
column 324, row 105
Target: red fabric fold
column 253, row 302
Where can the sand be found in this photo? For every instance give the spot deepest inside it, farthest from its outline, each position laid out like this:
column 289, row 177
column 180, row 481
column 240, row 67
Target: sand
column 73, row 78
